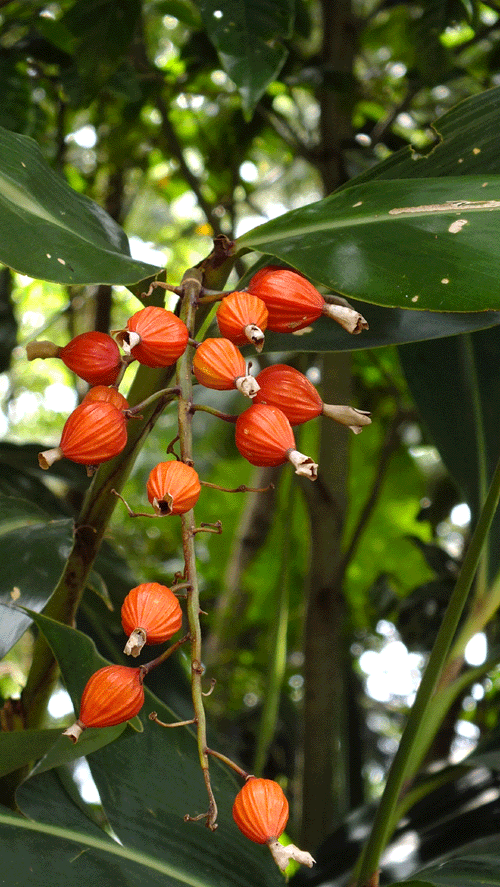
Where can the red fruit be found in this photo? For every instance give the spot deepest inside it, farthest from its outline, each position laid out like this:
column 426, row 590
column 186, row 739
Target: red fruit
column 151, row 614
column 292, row 392
column 264, row 436
column 173, row 488
column 93, row 356
column 292, row 302
column 95, row 432
column 107, row 395
column 112, row 695
column 218, row 364
column 242, row 318
column 260, row 810
column 284, row 387
column 154, row 336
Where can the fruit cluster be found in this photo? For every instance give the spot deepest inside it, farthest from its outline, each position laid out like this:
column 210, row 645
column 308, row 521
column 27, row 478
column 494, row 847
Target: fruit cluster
column 276, row 299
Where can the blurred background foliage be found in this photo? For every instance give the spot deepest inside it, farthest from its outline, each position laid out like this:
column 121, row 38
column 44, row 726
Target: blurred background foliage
column 128, row 100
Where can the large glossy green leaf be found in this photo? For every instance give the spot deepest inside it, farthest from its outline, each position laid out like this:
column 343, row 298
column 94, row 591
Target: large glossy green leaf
column 247, row 35
column 51, row 232
column 455, row 385
column 147, row 782
column 33, row 557
column 427, row 243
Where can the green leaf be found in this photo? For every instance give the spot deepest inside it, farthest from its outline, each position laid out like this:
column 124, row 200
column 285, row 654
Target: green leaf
column 22, row 746
column 28, row 575
column 247, row 35
column 147, row 782
column 51, row 232
column 454, row 383
column 476, row 865
column 426, row 242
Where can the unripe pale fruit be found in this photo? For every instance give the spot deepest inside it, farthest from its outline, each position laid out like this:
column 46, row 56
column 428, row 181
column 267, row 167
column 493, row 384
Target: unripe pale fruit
column 95, row 432
column 112, row 695
column 173, row 488
column 218, row 364
column 150, row 614
column 242, row 317
column 154, row 336
column 107, row 395
column 260, row 810
column 264, row 436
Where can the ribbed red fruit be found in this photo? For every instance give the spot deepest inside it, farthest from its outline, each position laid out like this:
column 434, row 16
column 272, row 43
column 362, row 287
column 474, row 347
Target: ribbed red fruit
column 112, row 695
column 289, row 390
column 218, row 364
column 107, row 395
column 292, row 302
column 260, row 810
column 93, row 356
column 264, row 436
column 297, row 398
column 95, row 432
column 154, row 336
column 173, row 488
column 150, row 614
column 242, row 317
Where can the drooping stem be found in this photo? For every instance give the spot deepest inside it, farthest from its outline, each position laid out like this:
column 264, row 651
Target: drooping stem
column 191, row 290
column 384, row 822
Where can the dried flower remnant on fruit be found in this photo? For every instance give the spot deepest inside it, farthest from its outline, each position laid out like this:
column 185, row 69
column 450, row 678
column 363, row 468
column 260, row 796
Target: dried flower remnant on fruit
column 218, row 364
column 260, row 811
column 293, row 303
column 173, row 488
column 292, row 392
column 264, row 436
column 242, row 317
column 112, row 695
column 154, row 336
column 94, row 433
column 93, row 356
column 150, row 614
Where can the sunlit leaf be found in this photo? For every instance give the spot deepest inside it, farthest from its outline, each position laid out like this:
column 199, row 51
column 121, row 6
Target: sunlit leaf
column 247, row 35
column 71, row 238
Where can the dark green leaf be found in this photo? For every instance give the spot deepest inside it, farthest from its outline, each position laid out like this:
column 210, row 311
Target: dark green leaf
column 455, row 385
column 426, row 242
column 147, row 782
column 247, row 35
column 71, row 239
column 28, row 575
column 476, row 865
column 22, row 746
